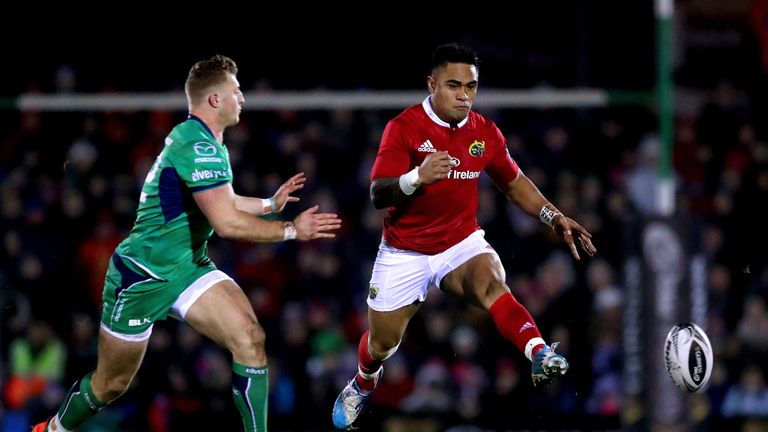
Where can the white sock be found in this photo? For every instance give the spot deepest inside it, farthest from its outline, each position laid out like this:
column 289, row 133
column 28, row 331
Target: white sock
column 57, row 425
column 533, row 343
column 368, row 377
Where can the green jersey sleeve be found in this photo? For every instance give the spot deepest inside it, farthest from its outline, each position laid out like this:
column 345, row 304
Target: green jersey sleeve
column 201, row 165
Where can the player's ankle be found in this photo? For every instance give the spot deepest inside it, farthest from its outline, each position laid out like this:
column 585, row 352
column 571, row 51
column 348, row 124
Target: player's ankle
column 363, row 384
column 536, row 350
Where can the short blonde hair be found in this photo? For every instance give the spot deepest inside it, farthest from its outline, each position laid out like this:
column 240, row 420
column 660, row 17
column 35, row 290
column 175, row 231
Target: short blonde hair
column 206, row 74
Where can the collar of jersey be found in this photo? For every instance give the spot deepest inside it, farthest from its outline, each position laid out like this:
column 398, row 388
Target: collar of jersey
column 202, row 123
column 433, row 115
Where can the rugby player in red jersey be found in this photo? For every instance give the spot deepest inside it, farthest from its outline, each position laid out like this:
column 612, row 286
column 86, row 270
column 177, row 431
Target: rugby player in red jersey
column 426, row 174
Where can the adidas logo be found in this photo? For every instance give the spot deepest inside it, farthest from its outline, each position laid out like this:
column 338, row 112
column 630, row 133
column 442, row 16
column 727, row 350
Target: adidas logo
column 427, row 147
column 525, row 326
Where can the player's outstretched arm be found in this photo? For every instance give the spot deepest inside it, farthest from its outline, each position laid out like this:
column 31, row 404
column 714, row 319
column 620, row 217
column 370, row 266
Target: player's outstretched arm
column 527, row 196
column 571, row 232
column 283, row 194
column 219, row 207
column 311, row 225
column 276, row 203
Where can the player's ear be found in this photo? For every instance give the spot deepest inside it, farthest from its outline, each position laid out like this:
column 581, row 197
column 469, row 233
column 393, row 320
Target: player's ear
column 213, row 100
column 431, row 84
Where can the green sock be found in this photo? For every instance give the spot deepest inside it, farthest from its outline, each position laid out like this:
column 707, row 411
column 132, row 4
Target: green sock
column 80, row 404
column 250, row 386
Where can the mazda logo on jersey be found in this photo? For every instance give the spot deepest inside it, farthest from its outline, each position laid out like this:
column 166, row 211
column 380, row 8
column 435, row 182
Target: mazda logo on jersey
column 204, row 149
column 477, row 148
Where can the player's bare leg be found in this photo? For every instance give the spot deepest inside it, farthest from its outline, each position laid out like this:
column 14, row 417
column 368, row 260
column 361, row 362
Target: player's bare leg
column 376, row 345
column 224, row 314
column 118, row 362
column 387, row 329
column 481, row 281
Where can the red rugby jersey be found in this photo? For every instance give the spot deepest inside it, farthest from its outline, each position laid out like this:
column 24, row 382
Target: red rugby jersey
column 443, row 213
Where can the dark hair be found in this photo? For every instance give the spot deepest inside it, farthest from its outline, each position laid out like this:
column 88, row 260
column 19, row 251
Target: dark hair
column 207, row 73
column 453, row 53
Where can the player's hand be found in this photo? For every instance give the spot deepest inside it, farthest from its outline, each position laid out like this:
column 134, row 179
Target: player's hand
column 283, row 194
column 571, row 232
column 313, row 225
column 435, row 167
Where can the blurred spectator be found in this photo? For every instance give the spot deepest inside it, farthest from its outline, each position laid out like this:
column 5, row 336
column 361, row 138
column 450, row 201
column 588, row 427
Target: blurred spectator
column 642, row 179
column 432, row 390
column 753, row 326
column 748, row 397
column 607, row 390
column 81, row 345
column 469, row 378
column 397, row 385
column 36, row 363
column 94, row 254
column 506, row 391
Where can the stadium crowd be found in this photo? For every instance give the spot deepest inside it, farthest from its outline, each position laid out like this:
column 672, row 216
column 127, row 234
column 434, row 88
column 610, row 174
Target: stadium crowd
column 69, row 184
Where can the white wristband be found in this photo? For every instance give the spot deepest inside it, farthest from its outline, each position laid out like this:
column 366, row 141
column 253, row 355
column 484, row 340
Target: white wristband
column 547, row 216
column 409, row 181
column 289, row 231
column 267, row 202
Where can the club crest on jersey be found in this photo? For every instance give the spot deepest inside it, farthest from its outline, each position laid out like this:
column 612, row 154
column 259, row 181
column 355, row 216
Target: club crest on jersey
column 477, row 148
column 372, row 292
column 204, row 149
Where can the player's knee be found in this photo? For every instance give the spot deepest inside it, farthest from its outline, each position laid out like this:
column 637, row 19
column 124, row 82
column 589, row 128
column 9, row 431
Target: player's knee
column 485, row 291
column 250, row 339
column 382, row 350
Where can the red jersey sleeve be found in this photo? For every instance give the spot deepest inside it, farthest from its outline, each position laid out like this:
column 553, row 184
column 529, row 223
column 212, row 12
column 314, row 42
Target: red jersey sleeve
column 502, row 168
column 393, row 158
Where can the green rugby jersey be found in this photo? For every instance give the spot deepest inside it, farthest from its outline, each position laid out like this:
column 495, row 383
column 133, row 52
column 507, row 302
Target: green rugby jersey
column 170, row 232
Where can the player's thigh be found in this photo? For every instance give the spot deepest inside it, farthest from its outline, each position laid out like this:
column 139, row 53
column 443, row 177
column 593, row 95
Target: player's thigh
column 387, row 328
column 118, row 359
column 222, row 313
column 479, row 280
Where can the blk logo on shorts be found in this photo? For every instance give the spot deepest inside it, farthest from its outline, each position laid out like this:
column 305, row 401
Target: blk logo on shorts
column 372, row 292
column 137, row 322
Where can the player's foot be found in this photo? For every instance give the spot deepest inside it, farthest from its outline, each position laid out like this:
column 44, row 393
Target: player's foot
column 548, row 365
column 41, row 427
column 350, row 402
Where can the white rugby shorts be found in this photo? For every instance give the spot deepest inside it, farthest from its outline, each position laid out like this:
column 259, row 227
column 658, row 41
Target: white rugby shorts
column 402, row 277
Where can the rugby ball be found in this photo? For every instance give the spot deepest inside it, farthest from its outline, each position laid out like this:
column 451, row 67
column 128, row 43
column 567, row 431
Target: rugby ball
column 688, row 357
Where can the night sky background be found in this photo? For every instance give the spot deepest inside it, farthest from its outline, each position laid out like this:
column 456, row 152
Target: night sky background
column 553, row 43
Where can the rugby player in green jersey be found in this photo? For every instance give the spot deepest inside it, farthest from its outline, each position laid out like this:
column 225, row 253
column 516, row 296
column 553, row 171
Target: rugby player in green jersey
column 163, row 268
